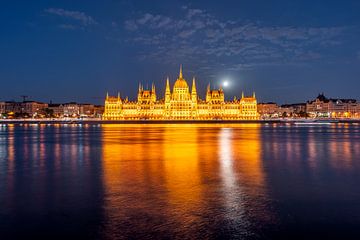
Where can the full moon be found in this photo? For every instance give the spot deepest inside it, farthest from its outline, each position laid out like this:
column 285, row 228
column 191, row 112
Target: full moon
column 225, row 83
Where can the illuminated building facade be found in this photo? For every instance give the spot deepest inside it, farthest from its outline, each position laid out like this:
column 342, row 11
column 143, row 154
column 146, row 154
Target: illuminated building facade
column 180, row 104
column 333, row 108
column 2, row 107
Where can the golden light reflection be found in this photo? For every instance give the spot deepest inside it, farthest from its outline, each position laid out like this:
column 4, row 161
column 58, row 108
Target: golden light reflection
column 167, row 167
column 226, row 157
column 182, row 173
column 245, row 155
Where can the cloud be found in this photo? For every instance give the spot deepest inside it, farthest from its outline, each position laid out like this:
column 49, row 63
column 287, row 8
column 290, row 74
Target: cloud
column 186, row 33
column 67, row 26
column 201, row 37
column 194, row 12
column 81, row 17
column 131, row 25
column 151, row 21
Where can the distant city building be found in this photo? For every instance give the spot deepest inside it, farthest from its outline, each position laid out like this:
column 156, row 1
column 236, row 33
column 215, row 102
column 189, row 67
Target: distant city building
column 23, row 109
column 293, row 110
column 98, row 110
column 71, row 109
column 12, row 107
column 57, row 109
column 332, row 108
column 2, row 107
column 33, row 108
column 298, row 108
column 74, row 109
column 180, row 104
column 87, row 110
column 268, row 110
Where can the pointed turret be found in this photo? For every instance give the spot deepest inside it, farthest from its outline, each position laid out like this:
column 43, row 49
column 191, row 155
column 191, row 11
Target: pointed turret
column 253, row 94
column 140, row 88
column 167, row 90
column 153, row 94
column 118, row 96
column 242, row 94
column 208, row 93
column 107, row 95
column 193, row 89
column 180, row 74
column 139, row 98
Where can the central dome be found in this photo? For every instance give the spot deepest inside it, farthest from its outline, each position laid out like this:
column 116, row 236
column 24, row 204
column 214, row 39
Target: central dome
column 181, row 89
column 181, row 83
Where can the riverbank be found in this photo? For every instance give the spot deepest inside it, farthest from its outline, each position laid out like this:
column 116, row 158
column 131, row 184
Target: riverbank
column 99, row 121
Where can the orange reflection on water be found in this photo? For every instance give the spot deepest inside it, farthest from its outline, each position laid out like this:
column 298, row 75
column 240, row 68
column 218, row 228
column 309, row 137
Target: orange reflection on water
column 181, row 163
column 149, row 157
column 178, row 174
column 246, row 146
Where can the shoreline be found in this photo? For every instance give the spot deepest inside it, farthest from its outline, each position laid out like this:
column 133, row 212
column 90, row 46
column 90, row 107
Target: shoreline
column 99, row 121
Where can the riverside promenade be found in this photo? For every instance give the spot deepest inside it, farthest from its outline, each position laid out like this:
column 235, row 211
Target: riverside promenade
column 148, row 121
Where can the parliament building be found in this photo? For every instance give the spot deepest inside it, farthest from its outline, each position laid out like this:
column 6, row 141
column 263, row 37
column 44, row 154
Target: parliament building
column 180, row 104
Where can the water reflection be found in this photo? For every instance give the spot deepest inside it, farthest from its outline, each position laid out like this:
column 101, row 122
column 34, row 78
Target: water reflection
column 178, row 181
column 311, row 172
column 45, row 187
column 173, row 179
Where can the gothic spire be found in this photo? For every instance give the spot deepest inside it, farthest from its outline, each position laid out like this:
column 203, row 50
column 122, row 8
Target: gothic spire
column 180, row 74
column 167, row 90
column 193, row 90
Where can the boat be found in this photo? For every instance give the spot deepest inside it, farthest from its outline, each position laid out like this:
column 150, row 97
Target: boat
column 315, row 122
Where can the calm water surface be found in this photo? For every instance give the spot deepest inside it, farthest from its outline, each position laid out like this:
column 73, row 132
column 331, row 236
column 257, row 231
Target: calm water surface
column 179, row 181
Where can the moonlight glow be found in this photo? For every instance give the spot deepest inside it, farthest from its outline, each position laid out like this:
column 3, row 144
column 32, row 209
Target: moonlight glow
column 225, row 83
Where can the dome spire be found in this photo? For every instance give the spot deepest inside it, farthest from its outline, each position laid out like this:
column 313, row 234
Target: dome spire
column 180, row 74
column 167, row 90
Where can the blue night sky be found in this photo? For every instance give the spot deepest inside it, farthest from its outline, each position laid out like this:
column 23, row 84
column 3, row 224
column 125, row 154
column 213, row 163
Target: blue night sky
column 286, row 51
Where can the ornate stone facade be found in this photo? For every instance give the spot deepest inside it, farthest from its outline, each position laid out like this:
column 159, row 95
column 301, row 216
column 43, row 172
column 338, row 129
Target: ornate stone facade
column 180, row 104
